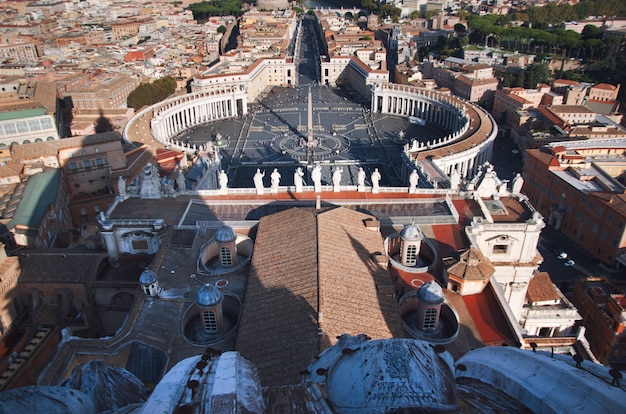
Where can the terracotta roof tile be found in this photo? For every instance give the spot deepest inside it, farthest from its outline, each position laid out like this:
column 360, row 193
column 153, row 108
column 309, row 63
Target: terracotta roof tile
column 541, row 288
column 284, row 296
column 472, row 265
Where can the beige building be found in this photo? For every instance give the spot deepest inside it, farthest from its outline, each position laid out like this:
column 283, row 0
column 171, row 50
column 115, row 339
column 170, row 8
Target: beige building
column 97, row 90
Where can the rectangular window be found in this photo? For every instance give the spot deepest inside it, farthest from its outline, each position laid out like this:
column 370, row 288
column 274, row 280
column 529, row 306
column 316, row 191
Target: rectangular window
column 22, row 126
column 411, row 255
column 140, row 244
column 210, row 321
column 609, row 218
column 225, row 256
column 430, row 319
column 500, row 249
column 586, row 220
column 603, row 234
column 569, row 208
column 594, row 228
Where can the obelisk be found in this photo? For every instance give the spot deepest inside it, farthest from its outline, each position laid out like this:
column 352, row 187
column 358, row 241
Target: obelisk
column 309, row 140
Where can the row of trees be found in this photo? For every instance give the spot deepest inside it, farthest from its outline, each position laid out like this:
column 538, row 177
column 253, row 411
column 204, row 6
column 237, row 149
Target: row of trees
column 550, row 14
column 150, row 93
column 204, row 10
column 568, row 43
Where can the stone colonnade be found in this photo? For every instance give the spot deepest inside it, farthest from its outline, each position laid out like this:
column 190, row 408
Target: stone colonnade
column 176, row 115
column 466, row 122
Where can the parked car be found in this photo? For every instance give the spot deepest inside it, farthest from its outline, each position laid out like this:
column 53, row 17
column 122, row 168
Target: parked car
column 562, row 256
column 569, row 263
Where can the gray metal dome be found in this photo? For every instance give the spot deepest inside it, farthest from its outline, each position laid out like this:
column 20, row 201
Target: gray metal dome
column 430, row 292
column 411, row 232
column 208, row 296
column 225, row 234
column 147, row 277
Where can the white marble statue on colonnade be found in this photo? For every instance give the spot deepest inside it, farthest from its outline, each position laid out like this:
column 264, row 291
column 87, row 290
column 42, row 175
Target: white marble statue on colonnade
column 121, row 188
column 517, row 183
column 223, row 180
column 316, row 176
column 297, row 179
column 258, row 181
column 180, row 180
column 275, row 180
column 337, row 179
column 413, row 181
column 375, row 178
column 360, row 178
column 455, row 179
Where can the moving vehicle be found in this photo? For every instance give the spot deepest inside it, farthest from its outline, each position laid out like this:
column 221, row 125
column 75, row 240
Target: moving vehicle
column 569, row 263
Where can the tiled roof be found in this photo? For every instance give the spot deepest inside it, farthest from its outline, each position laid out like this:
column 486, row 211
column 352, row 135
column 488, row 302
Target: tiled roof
column 278, row 330
column 541, row 288
column 311, row 267
column 351, row 281
column 92, row 139
column 33, row 151
column 472, row 265
column 59, row 266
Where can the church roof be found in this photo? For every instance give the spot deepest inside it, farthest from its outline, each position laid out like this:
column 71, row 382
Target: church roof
column 59, row 266
column 541, row 288
column 312, row 271
column 472, row 265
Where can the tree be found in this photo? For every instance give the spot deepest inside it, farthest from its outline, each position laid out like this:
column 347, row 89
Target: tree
column 222, row 29
column 151, row 93
column 415, row 14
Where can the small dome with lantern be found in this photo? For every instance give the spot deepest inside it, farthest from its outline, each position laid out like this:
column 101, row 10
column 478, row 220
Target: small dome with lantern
column 209, row 296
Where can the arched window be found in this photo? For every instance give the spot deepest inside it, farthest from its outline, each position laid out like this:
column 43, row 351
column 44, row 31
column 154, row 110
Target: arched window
column 430, row 318
column 210, row 321
column 411, row 255
column 225, row 256
column 87, row 165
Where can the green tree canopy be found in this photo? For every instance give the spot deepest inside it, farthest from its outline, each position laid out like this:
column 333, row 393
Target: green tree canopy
column 151, row 93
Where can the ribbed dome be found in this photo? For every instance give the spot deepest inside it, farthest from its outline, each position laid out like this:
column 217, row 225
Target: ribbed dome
column 430, row 292
column 208, row 296
column 225, row 234
column 411, row 232
column 147, row 277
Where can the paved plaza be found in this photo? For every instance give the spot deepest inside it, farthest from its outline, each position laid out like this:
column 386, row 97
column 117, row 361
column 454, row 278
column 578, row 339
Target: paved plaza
column 274, row 135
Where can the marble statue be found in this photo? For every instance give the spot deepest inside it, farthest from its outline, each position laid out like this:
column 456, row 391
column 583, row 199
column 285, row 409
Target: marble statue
column 297, row 179
column 413, row 181
column 275, row 180
column 121, row 187
column 258, row 181
column 517, row 183
column 375, row 178
column 337, row 179
column 150, row 183
column 361, row 179
column 180, row 180
column 455, row 179
column 223, row 179
column 316, row 176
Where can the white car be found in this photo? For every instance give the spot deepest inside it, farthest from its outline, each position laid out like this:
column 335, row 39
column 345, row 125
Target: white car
column 569, row 263
column 562, row 256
